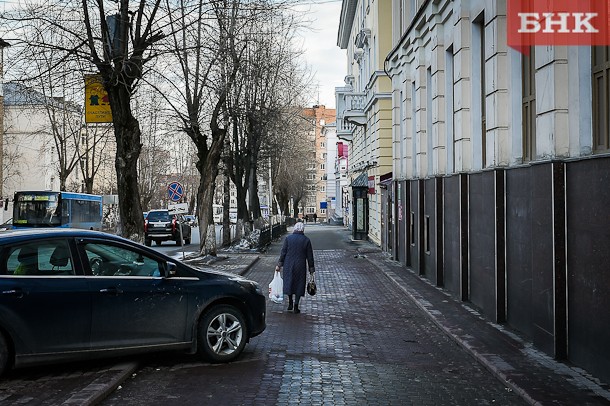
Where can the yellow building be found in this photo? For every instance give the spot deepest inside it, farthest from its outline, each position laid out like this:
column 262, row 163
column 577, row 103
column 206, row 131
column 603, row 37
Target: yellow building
column 364, row 110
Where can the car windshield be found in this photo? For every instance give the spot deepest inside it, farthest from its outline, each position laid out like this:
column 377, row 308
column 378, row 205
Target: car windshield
column 158, row 216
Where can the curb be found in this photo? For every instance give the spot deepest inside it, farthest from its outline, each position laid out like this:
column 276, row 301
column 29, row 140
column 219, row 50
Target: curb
column 248, row 267
column 103, row 385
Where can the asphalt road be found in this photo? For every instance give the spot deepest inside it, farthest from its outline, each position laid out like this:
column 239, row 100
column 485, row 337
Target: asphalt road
column 360, row 340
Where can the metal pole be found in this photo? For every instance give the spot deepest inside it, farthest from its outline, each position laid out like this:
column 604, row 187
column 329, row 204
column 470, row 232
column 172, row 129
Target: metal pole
column 181, row 240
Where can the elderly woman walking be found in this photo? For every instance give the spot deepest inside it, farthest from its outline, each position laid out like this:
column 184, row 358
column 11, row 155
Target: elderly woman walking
column 296, row 254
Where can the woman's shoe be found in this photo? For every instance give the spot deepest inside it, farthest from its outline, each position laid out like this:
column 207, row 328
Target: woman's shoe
column 297, row 310
column 289, row 307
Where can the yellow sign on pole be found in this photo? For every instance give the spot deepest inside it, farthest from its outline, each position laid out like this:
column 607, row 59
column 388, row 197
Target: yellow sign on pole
column 97, row 103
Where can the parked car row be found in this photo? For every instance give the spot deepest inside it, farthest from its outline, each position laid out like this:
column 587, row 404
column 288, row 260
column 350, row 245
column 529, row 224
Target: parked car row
column 76, row 294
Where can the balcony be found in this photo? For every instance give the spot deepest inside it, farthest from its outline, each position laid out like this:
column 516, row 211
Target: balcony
column 350, row 111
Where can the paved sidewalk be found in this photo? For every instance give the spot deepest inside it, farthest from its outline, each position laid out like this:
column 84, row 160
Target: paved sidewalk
column 534, row 376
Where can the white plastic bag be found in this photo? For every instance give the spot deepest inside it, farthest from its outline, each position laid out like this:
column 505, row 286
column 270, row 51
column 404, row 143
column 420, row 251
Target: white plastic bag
column 276, row 289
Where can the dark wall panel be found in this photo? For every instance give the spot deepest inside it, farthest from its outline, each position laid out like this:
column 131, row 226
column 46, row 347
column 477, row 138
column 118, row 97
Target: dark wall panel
column 588, row 256
column 430, row 253
column 416, row 229
column 542, row 260
column 529, row 245
column 482, row 242
column 451, row 220
column 401, row 222
column 519, row 248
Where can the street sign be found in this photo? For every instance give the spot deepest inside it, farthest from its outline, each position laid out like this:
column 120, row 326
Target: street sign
column 175, row 191
column 179, row 208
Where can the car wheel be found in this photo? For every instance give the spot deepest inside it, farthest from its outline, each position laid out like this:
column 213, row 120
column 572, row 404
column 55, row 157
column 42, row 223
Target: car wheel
column 147, row 242
column 4, row 354
column 187, row 241
column 158, row 242
column 222, row 334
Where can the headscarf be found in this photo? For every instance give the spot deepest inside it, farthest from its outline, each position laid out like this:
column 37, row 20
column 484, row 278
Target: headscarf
column 299, row 228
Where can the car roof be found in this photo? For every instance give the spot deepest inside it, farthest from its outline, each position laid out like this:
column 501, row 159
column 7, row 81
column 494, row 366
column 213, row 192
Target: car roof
column 14, row 235
column 156, row 210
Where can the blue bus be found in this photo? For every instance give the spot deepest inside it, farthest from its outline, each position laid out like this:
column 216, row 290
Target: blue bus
column 57, row 209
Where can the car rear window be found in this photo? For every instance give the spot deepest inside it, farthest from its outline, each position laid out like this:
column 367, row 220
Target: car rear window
column 158, row 216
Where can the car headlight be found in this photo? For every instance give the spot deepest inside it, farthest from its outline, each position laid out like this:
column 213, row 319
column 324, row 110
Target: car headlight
column 251, row 286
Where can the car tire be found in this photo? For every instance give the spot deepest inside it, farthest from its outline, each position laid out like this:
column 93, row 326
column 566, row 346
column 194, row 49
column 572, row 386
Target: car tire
column 4, row 354
column 147, row 242
column 187, row 241
column 222, row 334
column 158, row 242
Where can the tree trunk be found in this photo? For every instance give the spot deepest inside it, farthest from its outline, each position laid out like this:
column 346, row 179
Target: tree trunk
column 205, row 198
column 226, row 221
column 207, row 166
column 127, row 134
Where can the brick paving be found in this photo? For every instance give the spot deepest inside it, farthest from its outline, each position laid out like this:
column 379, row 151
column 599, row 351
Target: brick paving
column 375, row 334
column 359, row 341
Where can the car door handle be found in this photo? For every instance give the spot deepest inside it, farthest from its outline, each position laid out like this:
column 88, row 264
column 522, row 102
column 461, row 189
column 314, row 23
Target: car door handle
column 111, row 291
column 14, row 292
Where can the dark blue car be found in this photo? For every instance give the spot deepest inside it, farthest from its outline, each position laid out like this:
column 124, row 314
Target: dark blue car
column 77, row 294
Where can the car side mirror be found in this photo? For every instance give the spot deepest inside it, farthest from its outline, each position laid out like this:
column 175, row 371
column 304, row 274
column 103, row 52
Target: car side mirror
column 171, row 271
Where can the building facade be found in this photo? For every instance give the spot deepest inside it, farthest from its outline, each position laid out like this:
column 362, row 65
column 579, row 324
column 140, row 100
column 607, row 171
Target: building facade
column 499, row 168
column 364, row 108
column 315, row 201
column 30, row 147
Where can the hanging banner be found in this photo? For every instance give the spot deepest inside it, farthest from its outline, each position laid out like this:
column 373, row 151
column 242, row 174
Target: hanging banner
column 97, row 104
column 371, row 185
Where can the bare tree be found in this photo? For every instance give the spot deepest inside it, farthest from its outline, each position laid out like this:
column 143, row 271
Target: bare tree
column 10, row 157
column 208, row 44
column 94, row 141
column 290, row 163
column 119, row 43
column 269, row 83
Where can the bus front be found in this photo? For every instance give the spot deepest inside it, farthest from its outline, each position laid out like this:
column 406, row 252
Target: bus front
column 36, row 209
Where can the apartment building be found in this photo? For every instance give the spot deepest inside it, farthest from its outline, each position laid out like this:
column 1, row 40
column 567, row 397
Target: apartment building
column 316, row 199
column 500, row 166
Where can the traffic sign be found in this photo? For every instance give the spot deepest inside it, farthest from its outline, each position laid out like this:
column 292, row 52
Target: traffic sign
column 175, row 191
column 179, row 208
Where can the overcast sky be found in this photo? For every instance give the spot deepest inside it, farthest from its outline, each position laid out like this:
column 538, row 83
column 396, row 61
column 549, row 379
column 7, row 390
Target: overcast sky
column 326, row 60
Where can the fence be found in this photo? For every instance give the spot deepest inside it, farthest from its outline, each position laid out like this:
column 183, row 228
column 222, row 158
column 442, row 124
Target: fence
column 270, row 233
